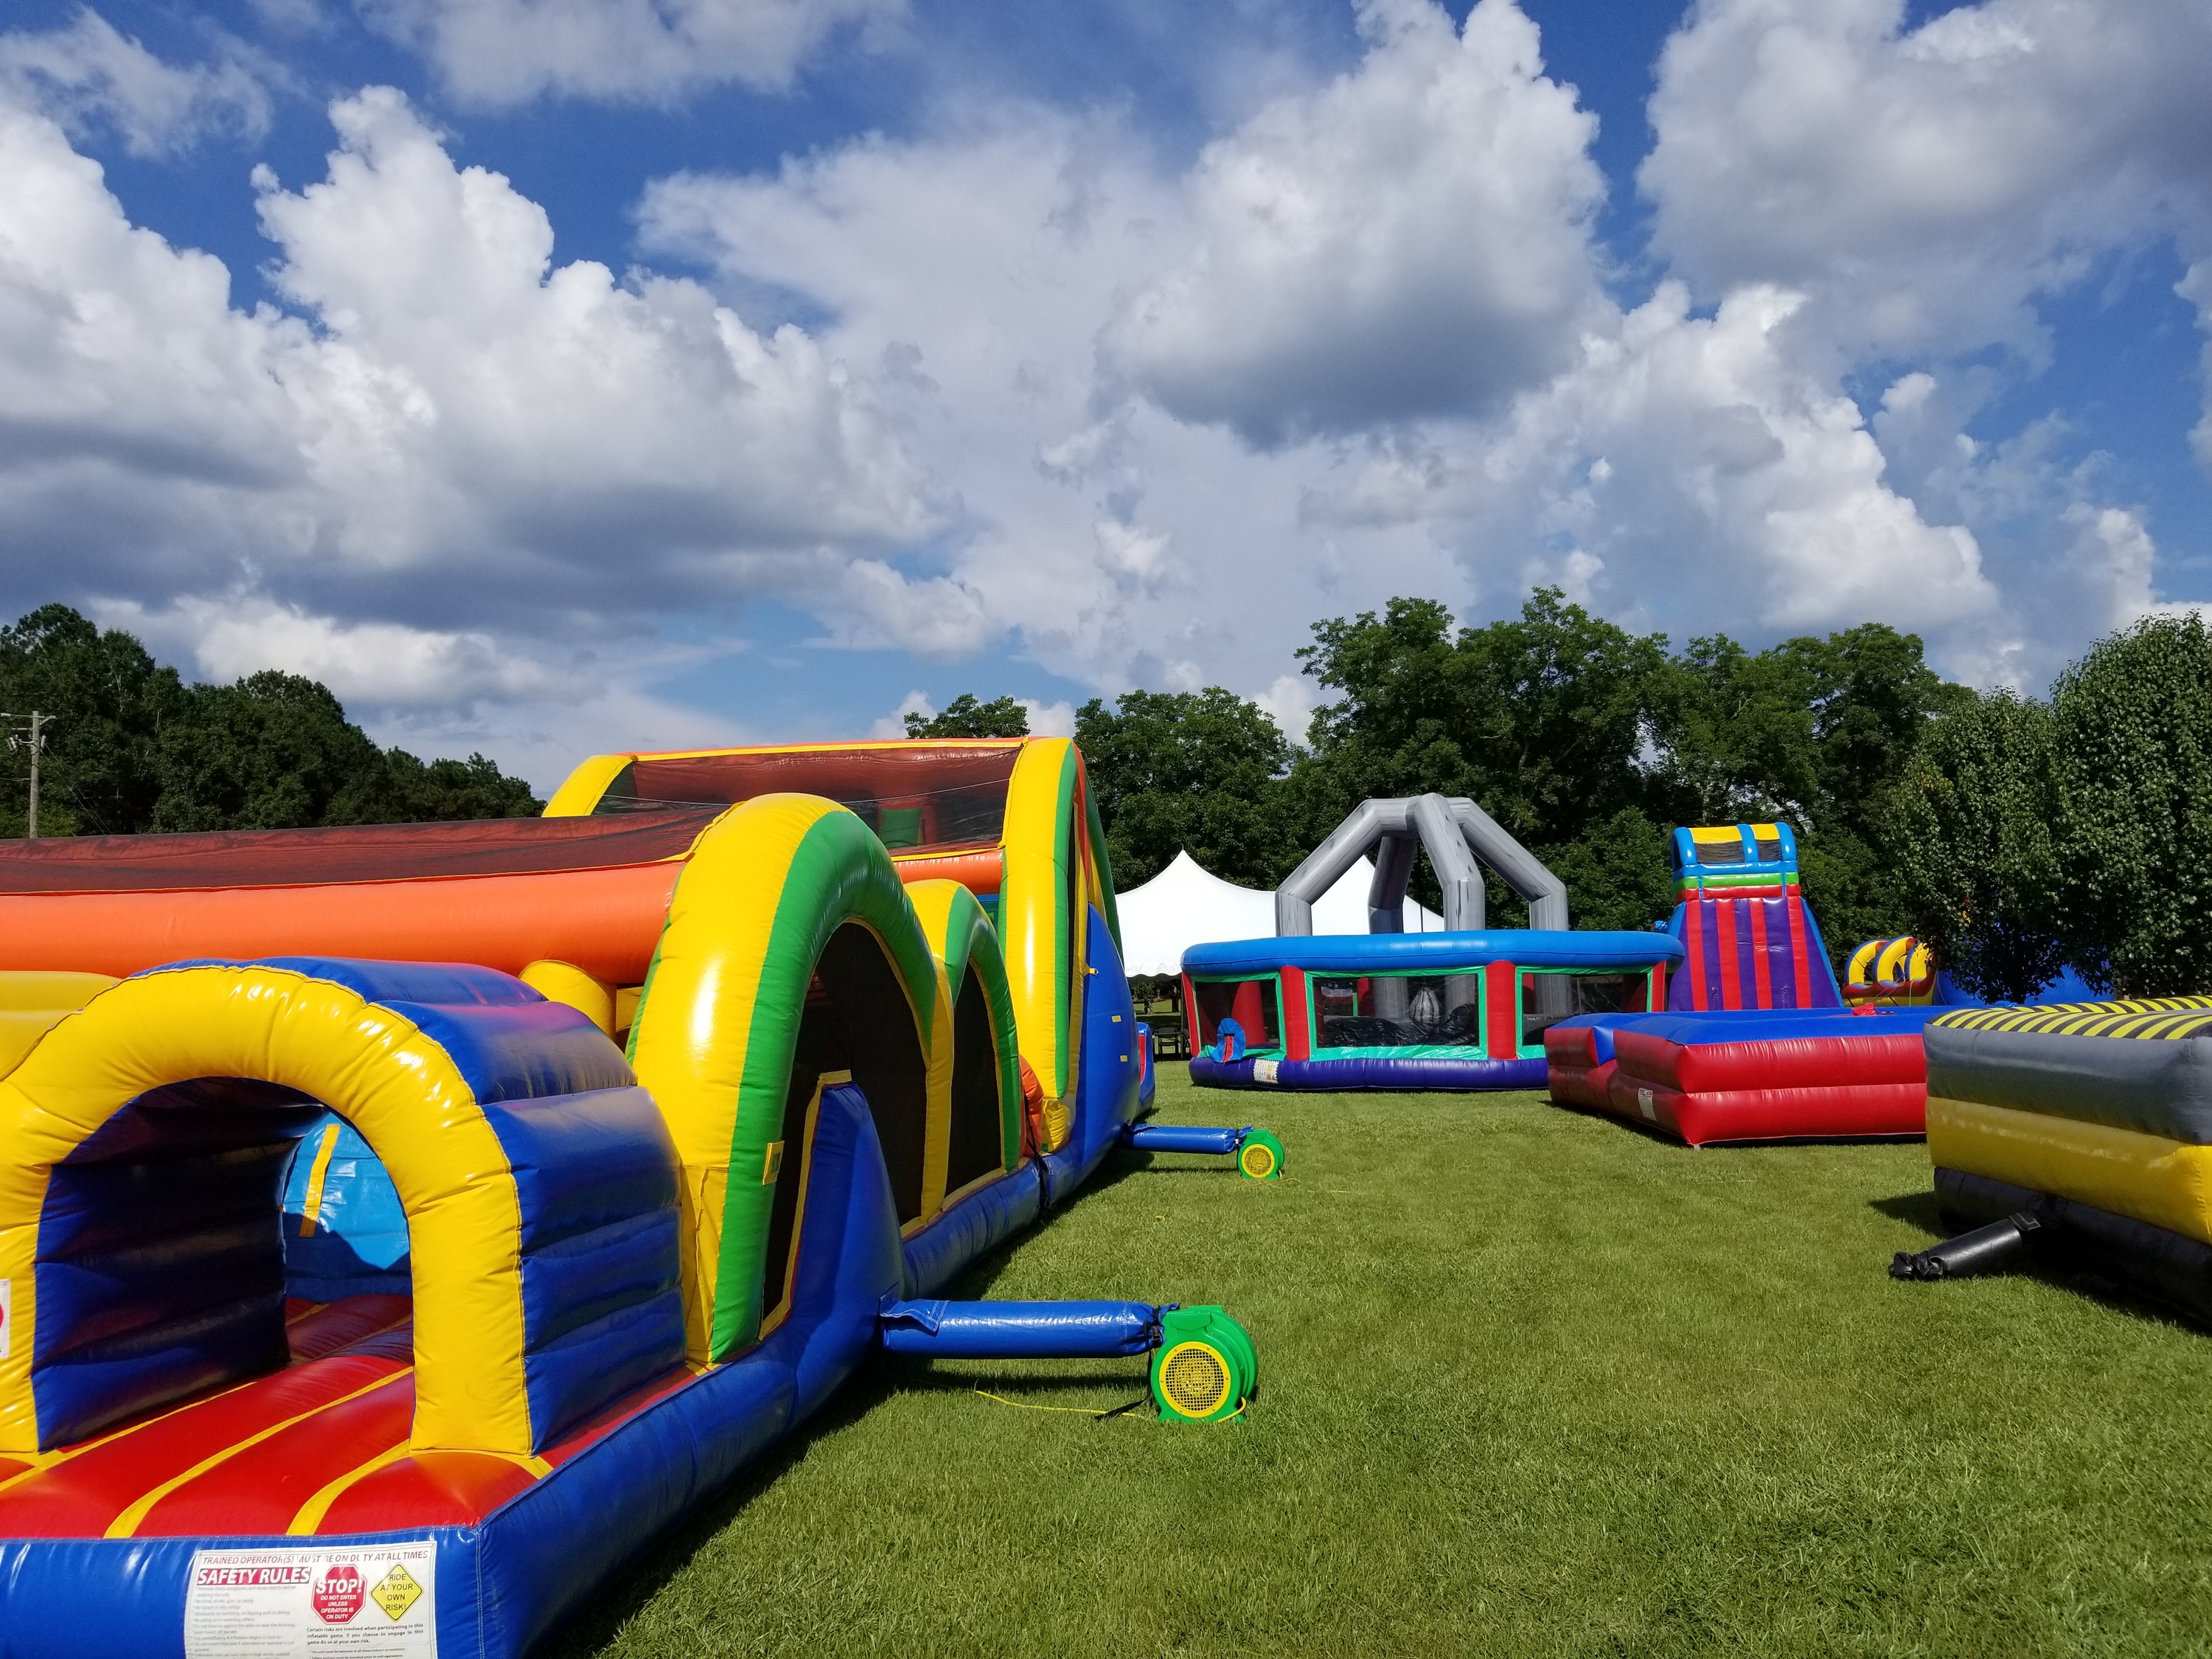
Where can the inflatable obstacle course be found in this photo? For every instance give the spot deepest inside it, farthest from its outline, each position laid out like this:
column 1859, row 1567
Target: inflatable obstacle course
column 421, row 1263
column 1757, row 1041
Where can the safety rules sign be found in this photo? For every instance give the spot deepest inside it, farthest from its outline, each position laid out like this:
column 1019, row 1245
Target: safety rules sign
column 379, row 1601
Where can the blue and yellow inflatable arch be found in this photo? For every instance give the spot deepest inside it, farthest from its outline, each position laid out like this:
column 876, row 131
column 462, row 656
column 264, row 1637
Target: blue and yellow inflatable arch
column 148, row 1136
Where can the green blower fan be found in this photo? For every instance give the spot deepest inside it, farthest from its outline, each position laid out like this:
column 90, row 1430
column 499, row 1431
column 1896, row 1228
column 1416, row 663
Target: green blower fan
column 1260, row 1156
column 1205, row 1367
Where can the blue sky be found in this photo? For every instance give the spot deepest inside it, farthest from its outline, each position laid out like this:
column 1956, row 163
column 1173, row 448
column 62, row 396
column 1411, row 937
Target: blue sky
column 584, row 374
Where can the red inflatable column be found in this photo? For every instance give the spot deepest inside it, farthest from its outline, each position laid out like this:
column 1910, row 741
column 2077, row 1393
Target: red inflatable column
column 1297, row 1039
column 1499, row 1013
column 1248, row 1010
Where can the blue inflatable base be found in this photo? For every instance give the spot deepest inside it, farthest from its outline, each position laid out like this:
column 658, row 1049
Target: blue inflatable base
column 1754, row 1024
column 1371, row 1072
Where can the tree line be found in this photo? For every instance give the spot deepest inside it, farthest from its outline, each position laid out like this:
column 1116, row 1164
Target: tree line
column 135, row 748
column 2017, row 837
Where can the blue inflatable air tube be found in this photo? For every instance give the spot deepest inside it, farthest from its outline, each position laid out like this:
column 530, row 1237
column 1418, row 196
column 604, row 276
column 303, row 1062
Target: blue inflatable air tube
column 1180, row 1137
column 1020, row 1330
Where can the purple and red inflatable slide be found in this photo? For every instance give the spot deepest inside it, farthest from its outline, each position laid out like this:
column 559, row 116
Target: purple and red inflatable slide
column 1756, row 1043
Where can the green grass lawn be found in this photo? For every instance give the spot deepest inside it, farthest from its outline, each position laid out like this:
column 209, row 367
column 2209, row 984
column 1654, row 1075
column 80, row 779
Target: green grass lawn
column 1531, row 1383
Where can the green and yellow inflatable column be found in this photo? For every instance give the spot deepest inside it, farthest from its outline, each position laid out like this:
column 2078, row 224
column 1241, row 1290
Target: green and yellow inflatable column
column 1055, row 873
column 717, row 1027
column 962, row 939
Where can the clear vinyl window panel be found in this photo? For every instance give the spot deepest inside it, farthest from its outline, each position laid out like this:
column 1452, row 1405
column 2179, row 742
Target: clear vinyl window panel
column 1547, row 999
column 1256, row 1006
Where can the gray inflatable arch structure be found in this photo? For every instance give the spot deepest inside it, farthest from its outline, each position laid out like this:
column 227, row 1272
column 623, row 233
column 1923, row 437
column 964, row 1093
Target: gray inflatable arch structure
column 1456, row 834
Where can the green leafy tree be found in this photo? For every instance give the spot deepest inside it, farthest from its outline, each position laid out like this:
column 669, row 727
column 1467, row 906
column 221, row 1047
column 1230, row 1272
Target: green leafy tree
column 1616, row 874
column 273, row 751
column 1559, row 723
column 1541, row 719
column 2134, row 759
column 1973, row 825
column 1814, row 732
column 101, row 772
column 1199, row 771
column 1732, row 736
column 448, row 790
column 1587, row 742
column 133, row 748
column 964, row 717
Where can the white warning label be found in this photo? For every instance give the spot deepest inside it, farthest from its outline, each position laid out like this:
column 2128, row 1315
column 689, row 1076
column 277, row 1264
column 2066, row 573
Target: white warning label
column 376, row 1601
column 1263, row 1070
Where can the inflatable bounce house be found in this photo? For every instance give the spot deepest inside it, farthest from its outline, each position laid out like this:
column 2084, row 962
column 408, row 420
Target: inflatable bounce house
column 1465, row 1008
column 400, row 1225
column 1757, row 1042
column 2083, row 1129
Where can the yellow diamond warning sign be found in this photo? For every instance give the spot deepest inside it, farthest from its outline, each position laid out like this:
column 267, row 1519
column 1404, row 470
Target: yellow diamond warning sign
column 397, row 1593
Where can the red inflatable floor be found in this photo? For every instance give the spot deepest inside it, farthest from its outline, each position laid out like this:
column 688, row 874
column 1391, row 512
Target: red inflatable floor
column 319, row 1447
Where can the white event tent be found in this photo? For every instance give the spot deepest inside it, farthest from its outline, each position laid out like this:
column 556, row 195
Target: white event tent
column 1184, row 906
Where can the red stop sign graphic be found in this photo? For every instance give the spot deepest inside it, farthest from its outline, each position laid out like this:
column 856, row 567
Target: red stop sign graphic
column 339, row 1593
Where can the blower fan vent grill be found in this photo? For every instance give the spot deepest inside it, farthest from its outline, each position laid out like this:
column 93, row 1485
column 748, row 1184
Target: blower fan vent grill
column 1194, row 1380
column 1257, row 1160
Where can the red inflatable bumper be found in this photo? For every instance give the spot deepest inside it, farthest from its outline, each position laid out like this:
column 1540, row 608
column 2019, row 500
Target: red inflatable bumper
column 1783, row 1088
column 1702, row 1079
column 1578, row 1076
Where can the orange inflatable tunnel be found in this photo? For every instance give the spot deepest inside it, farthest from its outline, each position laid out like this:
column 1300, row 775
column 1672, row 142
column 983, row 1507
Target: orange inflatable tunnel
column 588, row 884
column 501, row 893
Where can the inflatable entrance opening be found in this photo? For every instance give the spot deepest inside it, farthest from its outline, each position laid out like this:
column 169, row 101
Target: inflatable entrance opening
column 139, row 1222
column 857, row 1022
column 1256, row 1006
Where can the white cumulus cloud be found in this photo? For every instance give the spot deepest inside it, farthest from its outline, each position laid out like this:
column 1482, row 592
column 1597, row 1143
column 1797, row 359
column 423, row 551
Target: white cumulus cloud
column 505, row 51
column 1927, row 185
column 1144, row 420
column 381, row 664
column 1690, row 470
column 87, row 76
column 1412, row 239
column 455, row 456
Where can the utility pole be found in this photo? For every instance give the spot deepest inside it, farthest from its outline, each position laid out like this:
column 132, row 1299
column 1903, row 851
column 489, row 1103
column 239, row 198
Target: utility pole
column 29, row 732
